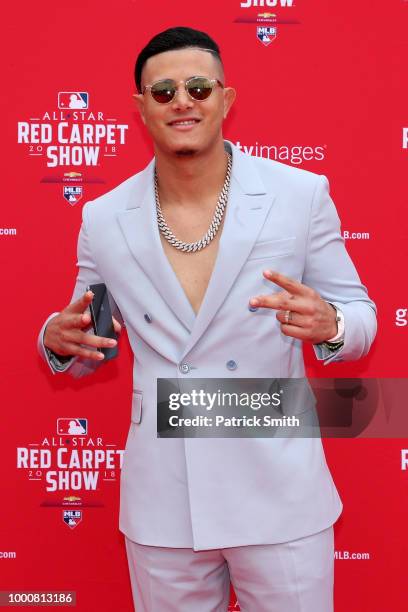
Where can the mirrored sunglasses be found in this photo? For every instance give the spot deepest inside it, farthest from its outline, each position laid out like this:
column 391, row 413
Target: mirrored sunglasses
column 198, row 88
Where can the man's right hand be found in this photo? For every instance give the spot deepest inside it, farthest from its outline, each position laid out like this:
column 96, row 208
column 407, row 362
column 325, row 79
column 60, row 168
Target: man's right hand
column 65, row 333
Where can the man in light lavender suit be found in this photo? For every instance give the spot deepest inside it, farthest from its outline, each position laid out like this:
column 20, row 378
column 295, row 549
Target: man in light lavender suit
column 222, row 271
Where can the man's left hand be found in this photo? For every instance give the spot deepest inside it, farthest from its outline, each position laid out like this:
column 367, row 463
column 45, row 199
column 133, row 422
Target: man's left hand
column 302, row 313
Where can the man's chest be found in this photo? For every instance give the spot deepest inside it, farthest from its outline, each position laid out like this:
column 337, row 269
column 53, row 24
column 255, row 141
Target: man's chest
column 193, row 270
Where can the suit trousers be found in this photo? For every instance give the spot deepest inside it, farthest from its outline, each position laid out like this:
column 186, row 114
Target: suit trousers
column 295, row 576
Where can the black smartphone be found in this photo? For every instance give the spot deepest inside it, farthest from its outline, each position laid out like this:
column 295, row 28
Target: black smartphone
column 101, row 317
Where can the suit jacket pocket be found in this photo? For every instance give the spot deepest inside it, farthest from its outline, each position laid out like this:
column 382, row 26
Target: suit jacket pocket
column 273, row 248
column 137, row 400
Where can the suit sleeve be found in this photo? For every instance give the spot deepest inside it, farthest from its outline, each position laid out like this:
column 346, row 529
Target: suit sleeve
column 87, row 274
column 330, row 271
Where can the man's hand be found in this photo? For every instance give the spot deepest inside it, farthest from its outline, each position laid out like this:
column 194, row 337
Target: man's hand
column 66, row 332
column 302, row 312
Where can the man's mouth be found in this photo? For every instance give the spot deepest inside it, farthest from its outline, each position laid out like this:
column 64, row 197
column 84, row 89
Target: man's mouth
column 180, row 122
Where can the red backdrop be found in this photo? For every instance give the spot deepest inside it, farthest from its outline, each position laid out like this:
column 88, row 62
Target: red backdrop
column 328, row 94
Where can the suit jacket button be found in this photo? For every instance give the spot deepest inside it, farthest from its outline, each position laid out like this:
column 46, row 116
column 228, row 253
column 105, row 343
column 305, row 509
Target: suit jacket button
column 147, row 318
column 184, row 368
column 232, row 365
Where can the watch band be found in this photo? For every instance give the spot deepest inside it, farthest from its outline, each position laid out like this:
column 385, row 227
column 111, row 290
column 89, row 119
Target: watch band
column 338, row 340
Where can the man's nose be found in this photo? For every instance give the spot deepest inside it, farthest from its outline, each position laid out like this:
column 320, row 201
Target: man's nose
column 182, row 100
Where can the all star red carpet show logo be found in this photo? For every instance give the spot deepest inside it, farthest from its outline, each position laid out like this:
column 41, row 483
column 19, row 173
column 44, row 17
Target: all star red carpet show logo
column 72, row 134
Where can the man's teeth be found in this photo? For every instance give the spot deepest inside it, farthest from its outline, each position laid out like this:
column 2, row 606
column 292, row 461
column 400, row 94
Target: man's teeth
column 184, row 122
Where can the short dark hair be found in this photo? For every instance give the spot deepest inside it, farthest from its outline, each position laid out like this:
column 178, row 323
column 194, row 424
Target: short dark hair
column 174, row 38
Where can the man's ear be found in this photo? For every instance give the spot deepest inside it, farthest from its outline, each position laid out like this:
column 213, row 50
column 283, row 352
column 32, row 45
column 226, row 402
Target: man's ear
column 139, row 98
column 229, row 97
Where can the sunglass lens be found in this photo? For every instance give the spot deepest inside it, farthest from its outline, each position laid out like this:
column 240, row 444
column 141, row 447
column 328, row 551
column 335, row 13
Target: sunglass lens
column 163, row 91
column 199, row 88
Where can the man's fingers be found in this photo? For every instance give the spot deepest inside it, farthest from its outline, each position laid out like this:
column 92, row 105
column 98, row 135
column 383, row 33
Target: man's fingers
column 66, row 335
column 72, row 342
column 75, row 321
column 116, row 325
column 80, row 337
column 296, row 319
column 276, row 301
column 294, row 331
column 78, row 351
column 282, row 301
column 290, row 284
column 81, row 304
column 289, row 317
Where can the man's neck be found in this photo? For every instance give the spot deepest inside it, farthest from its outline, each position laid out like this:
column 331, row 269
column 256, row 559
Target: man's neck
column 191, row 180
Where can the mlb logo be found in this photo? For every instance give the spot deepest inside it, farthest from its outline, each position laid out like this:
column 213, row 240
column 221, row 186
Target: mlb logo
column 73, row 99
column 266, row 34
column 72, row 518
column 72, row 427
column 72, row 194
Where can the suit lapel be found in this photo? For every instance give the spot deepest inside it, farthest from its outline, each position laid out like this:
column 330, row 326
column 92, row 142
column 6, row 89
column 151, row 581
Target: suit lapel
column 139, row 226
column 247, row 209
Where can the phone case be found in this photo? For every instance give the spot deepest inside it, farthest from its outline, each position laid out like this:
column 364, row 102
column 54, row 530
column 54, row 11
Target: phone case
column 101, row 316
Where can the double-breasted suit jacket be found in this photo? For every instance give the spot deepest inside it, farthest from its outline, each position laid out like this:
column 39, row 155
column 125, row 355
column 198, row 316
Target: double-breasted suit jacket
column 203, row 492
